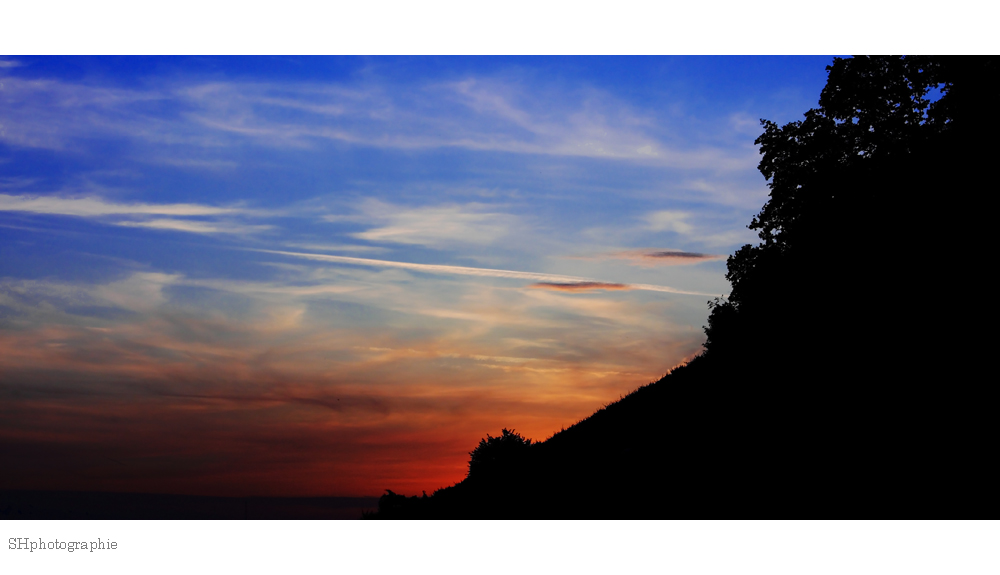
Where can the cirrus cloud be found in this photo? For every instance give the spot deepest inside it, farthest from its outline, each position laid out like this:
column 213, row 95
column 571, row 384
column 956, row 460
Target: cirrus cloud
column 136, row 214
column 434, row 226
column 580, row 286
column 94, row 206
column 650, row 257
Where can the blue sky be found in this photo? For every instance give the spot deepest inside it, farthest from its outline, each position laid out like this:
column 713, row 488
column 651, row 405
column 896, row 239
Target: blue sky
column 357, row 267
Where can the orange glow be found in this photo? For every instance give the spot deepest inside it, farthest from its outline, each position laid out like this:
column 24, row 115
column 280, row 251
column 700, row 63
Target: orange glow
column 167, row 404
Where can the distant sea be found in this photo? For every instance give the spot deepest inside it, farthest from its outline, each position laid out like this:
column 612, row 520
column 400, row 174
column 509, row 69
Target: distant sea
column 101, row 505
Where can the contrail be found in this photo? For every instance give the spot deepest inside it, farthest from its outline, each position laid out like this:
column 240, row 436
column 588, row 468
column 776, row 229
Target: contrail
column 467, row 271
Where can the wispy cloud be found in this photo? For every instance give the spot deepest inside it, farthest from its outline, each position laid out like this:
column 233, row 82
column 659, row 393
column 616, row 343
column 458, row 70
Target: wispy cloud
column 336, row 247
column 53, row 114
column 671, row 256
column 695, row 229
column 431, row 268
column 435, row 226
column 197, row 227
column 124, row 214
column 658, row 257
column 669, row 221
column 580, row 286
column 478, row 113
column 539, row 278
column 197, row 164
column 92, row 206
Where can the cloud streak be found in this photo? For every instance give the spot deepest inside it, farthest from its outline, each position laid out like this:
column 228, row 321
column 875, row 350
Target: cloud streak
column 434, row 226
column 197, row 227
column 580, row 286
column 478, row 113
column 95, row 207
column 432, row 268
column 542, row 278
column 661, row 257
column 679, row 256
column 669, row 221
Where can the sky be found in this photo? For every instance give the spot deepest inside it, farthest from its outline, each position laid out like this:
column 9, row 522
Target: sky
column 333, row 276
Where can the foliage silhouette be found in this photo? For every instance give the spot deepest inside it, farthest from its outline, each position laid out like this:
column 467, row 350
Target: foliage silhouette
column 818, row 389
column 494, row 453
column 850, row 188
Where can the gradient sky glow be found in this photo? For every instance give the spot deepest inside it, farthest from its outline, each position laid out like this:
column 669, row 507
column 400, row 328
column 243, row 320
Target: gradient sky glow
column 333, row 276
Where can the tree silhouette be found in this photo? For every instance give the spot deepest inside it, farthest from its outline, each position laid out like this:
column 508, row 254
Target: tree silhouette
column 495, row 453
column 849, row 188
column 837, row 335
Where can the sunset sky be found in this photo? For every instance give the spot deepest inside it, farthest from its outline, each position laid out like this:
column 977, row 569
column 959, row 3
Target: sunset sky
column 333, row 276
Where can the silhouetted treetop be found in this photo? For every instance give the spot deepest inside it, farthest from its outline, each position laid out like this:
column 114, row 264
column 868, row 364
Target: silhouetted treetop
column 875, row 166
column 870, row 107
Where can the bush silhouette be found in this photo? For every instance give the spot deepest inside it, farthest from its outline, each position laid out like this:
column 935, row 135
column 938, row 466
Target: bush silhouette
column 494, row 453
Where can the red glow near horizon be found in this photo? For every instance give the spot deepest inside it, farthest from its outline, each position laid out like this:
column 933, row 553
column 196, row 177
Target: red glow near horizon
column 90, row 413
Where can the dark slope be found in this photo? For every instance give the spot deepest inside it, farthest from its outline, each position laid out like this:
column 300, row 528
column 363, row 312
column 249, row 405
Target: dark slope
column 835, row 379
column 692, row 445
column 606, row 465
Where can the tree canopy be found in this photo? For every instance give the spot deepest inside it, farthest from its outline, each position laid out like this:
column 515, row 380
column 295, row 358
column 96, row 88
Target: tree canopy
column 850, row 189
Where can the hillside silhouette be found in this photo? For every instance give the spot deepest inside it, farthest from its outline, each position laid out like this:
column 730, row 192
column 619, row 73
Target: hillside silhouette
column 832, row 380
